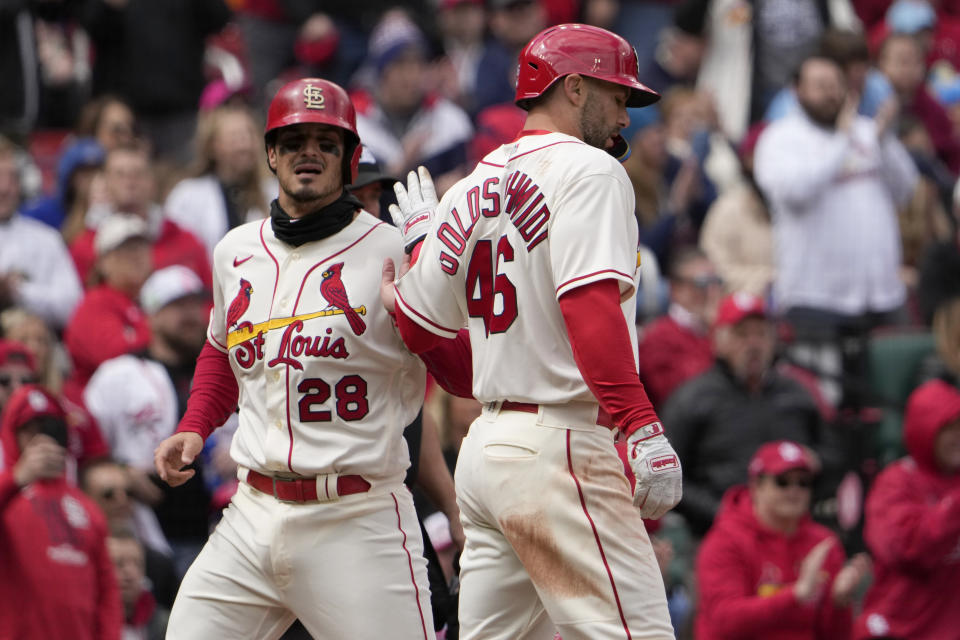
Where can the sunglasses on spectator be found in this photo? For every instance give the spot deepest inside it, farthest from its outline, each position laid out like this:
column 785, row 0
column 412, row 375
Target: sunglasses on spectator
column 783, row 482
column 704, row 282
column 112, row 492
column 7, row 380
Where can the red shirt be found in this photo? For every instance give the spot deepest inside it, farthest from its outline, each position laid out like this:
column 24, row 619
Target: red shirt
column 106, row 324
column 912, row 528
column 58, row 582
column 669, row 355
column 174, row 245
column 745, row 574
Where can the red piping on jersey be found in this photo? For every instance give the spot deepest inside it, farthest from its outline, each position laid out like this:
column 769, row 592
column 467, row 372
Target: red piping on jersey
column 423, row 317
column 295, row 305
column 413, row 579
column 596, row 536
column 520, row 155
column 532, row 132
column 330, row 257
column 276, row 264
column 217, row 342
column 595, row 273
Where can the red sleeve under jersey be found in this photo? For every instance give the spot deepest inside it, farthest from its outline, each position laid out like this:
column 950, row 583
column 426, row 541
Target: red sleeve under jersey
column 214, row 394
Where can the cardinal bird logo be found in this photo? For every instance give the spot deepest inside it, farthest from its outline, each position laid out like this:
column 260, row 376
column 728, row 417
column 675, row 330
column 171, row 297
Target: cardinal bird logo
column 239, row 306
column 331, row 288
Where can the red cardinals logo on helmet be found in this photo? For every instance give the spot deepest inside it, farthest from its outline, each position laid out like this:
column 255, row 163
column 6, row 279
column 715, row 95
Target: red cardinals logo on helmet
column 332, row 289
column 239, row 306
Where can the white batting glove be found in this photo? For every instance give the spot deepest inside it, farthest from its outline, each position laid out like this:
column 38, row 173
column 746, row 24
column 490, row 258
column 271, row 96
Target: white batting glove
column 416, row 207
column 657, row 468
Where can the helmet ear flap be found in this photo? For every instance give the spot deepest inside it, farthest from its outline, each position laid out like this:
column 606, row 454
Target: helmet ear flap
column 350, row 174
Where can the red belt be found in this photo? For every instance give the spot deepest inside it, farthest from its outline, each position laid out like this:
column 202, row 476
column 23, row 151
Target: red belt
column 304, row 489
column 603, row 418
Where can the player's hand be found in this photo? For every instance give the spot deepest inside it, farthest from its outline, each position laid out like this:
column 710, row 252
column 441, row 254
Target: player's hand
column 657, row 468
column 41, row 459
column 388, row 276
column 416, row 207
column 175, row 453
column 812, row 578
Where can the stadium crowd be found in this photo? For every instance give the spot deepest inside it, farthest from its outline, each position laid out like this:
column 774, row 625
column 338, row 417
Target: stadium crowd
column 799, row 314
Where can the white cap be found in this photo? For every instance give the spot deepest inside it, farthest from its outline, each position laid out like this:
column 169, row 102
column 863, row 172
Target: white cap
column 116, row 229
column 169, row 285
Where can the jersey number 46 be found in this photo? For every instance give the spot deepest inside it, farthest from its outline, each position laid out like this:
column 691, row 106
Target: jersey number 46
column 485, row 284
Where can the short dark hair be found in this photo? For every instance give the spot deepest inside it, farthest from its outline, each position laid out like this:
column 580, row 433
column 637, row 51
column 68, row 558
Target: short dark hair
column 798, row 72
column 844, row 47
column 681, row 258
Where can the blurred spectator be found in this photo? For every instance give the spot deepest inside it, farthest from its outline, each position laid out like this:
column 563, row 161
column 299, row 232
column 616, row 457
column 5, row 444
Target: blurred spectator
column 737, row 235
column 496, row 125
column 152, row 54
column 110, row 486
column 939, row 267
column 679, row 51
column 108, row 322
column 109, row 120
column 686, row 120
column 138, row 399
column 753, row 50
column 66, row 209
column 901, row 61
column 849, row 50
column 401, row 124
column 512, row 24
column 946, row 333
column 833, row 181
column 371, row 183
column 16, row 369
column 33, row 333
column 766, row 569
column 34, row 271
column 329, row 37
column 913, row 526
column 19, row 102
column 462, row 26
column 717, row 420
column 229, row 184
column 676, row 347
column 58, row 580
column 143, row 618
column 129, row 186
column 452, row 416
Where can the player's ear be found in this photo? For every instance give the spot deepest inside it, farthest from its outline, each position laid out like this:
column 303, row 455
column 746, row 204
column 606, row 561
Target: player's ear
column 575, row 88
column 272, row 157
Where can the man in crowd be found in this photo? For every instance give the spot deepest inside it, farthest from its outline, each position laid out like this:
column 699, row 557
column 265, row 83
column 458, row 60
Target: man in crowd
column 833, row 181
column 766, row 569
column 676, row 347
column 719, row 418
column 58, row 582
column 35, row 271
column 143, row 618
column 130, row 190
column 913, row 526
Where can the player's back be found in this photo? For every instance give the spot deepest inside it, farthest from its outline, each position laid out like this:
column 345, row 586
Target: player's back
column 537, row 217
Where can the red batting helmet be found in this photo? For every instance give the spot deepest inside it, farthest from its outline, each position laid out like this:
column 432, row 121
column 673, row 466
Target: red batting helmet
column 579, row 48
column 321, row 101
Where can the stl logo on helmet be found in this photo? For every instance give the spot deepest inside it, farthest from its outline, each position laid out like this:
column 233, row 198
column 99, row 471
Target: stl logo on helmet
column 313, row 96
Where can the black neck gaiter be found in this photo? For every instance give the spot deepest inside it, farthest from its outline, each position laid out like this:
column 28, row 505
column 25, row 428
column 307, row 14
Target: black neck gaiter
column 317, row 225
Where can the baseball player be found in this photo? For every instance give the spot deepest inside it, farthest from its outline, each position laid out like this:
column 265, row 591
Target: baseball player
column 321, row 527
column 536, row 253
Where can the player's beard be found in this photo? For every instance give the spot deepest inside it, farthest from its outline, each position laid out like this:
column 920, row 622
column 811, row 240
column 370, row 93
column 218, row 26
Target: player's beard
column 595, row 132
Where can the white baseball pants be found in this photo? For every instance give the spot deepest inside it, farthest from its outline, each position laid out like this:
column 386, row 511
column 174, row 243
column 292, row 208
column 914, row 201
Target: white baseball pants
column 554, row 542
column 348, row 569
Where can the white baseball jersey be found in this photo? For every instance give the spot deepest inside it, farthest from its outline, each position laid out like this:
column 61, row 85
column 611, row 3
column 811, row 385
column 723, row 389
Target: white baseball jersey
column 538, row 217
column 326, row 384
column 135, row 404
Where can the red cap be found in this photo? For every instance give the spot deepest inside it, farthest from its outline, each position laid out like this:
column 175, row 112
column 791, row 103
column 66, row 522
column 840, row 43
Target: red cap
column 739, row 306
column 11, row 351
column 781, row 456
